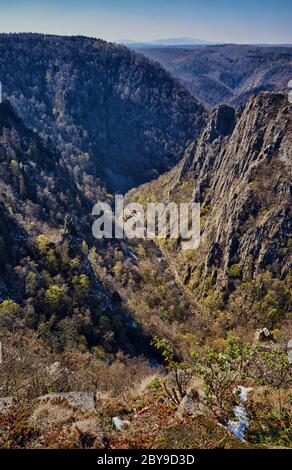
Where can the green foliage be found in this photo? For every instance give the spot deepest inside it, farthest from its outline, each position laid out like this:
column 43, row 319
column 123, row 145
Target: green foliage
column 55, row 295
column 220, row 372
column 275, row 368
column 99, row 353
column 84, row 247
column 42, row 244
column 83, row 341
column 180, row 373
column 263, row 301
column 10, row 308
column 31, row 283
column 155, row 384
column 118, row 269
column 14, row 166
column 43, row 329
column 81, row 284
column 74, row 263
column 214, row 301
column 47, row 251
column 235, row 271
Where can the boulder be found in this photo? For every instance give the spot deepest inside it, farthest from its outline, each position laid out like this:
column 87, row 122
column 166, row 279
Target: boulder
column 263, row 335
column 120, row 424
column 54, row 370
column 192, row 404
column 5, row 404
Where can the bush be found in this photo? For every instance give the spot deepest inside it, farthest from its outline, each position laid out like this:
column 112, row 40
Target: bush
column 235, row 271
column 54, row 295
column 42, row 244
column 99, row 353
column 8, row 307
column 155, row 384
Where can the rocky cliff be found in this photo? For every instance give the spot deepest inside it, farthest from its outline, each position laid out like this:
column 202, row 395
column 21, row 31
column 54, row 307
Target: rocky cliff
column 239, row 169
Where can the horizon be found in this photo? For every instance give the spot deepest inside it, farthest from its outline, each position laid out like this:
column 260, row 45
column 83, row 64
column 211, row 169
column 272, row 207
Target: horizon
column 158, row 42
column 267, row 22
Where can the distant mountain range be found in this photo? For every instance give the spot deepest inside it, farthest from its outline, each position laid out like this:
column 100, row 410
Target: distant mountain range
column 185, row 41
column 227, row 73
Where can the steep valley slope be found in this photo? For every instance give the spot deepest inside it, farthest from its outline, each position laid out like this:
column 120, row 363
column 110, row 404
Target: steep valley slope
column 239, row 170
column 111, row 112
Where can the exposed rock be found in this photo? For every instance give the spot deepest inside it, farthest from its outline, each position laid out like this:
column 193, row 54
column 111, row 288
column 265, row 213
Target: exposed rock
column 5, row 404
column 189, row 407
column 289, row 347
column 240, row 171
column 54, row 370
column 263, row 335
column 192, row 404
column 120, row 424
column 80, row 400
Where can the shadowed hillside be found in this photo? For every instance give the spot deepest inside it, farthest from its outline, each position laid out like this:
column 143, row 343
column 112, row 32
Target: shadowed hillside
column 111, row 112
column 229, row 73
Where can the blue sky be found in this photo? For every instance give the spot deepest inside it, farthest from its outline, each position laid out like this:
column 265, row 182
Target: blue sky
column 248, row 21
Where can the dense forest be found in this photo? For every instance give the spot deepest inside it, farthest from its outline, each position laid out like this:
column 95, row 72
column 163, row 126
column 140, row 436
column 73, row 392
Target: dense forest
column 111, row 112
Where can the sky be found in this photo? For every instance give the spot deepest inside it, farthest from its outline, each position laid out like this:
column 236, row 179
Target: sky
column 245, row 21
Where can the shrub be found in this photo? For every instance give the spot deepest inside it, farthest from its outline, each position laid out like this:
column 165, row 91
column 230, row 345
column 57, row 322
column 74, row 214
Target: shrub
column 31, row 283
column 99, row 353
column 8, row 307
column 235, row 271
column 55, row 295
column 180, row 373
column 155, row 384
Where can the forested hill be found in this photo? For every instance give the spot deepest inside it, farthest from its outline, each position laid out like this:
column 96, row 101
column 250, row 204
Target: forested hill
column 228, row 73
column 47, row 282
column 111, row 112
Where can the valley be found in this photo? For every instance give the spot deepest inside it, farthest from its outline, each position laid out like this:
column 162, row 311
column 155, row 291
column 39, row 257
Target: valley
column 143, row 333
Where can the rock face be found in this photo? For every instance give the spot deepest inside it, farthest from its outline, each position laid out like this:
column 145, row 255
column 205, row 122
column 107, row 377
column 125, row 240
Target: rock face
column 240, row 169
